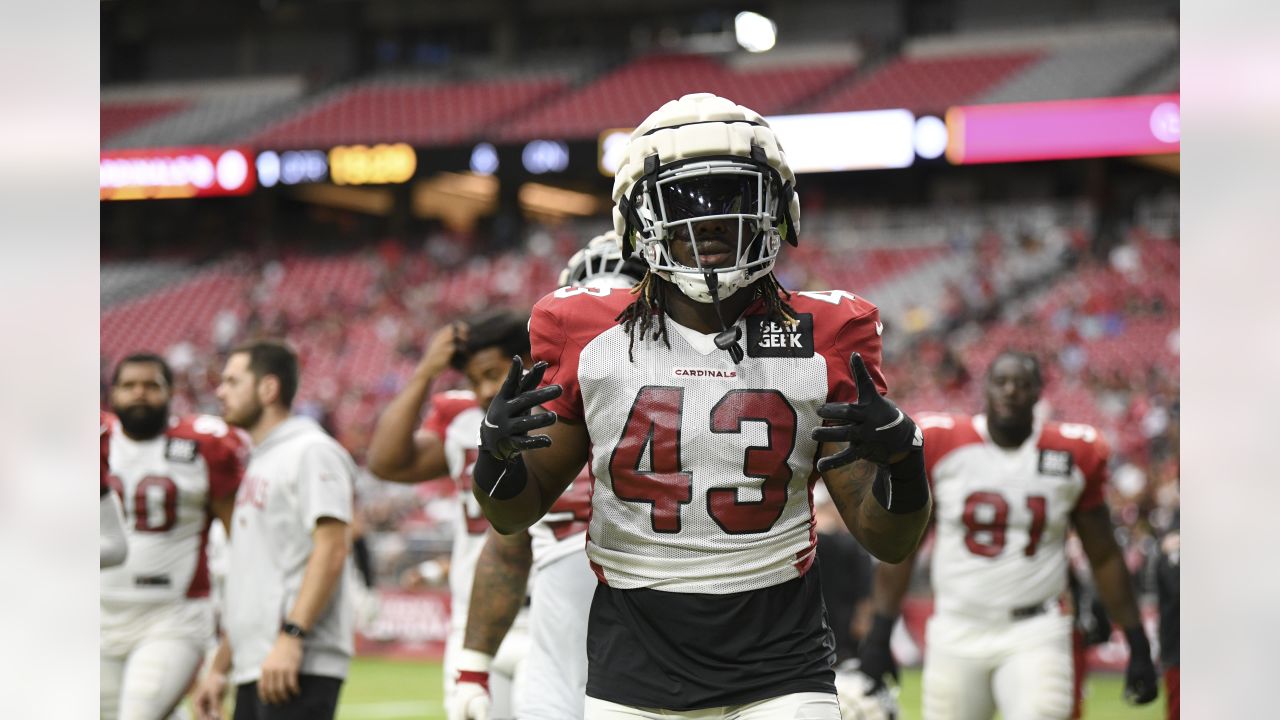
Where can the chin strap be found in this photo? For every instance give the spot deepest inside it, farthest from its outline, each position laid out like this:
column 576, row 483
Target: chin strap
column 727, row 338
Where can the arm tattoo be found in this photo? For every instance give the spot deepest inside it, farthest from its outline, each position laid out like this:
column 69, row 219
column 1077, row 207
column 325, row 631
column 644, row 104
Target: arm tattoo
column 498, row 591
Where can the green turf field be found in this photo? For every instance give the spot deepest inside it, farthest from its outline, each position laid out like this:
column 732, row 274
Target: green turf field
column 393, row 690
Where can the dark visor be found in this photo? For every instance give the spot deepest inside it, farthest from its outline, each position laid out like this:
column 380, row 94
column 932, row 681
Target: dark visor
column 693, row 197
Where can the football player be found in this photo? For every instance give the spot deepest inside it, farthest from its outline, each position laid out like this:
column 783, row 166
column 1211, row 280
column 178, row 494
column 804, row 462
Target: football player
column 699, row 398
column 1006, row 489
column 556, row 668
column 444, row 445
column 114, row 546
column 175, row 475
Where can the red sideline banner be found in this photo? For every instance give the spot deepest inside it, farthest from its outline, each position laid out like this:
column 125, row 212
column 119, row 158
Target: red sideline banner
column 175, row 173
column 1111, row 656
column 410, row 624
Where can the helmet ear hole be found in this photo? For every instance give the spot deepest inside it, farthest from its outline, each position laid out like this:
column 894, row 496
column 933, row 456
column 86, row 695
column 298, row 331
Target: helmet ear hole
column 784, row 208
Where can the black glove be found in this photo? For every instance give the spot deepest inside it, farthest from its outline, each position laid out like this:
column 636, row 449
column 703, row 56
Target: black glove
column 1140, row 676
column 874, row 427
column 503, row 434
column 875, row 659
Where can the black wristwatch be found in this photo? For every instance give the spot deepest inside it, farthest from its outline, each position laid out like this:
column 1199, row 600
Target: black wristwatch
column 292, row 630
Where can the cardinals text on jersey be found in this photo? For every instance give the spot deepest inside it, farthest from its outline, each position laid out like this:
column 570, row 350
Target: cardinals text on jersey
column 703, row 467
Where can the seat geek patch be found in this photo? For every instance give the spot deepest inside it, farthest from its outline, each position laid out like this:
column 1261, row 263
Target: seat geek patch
column 766, row 338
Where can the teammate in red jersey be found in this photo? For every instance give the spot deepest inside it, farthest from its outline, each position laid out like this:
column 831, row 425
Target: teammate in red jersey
column 444, row 445
column 554, row 548
column 699, row 399
column 174, row 475
column 1006, row 490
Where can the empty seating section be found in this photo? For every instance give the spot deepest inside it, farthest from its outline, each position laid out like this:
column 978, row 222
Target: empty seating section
column 120, row 117
column 423, row 114
column 627, row 94
column 203, row 120
column 925, row 84
column 1098, row 69
column 183, row 312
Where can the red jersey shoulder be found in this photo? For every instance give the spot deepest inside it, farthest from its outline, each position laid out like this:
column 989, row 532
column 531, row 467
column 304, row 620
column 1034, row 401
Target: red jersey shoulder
column 945, row 433
column 577, row 314
column 1087, row 446
column 445, row 407
column 225, row 449
column 844, row 323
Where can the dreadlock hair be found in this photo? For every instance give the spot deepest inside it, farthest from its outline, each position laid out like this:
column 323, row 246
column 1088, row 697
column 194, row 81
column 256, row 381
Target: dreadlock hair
column 648, row 311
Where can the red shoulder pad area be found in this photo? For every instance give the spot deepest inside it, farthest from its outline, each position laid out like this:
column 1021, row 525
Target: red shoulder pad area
column 844, row 323
column 1089, row 451
column 225, row 450
column 444, row 408
column 943, row 434
column 562, row 324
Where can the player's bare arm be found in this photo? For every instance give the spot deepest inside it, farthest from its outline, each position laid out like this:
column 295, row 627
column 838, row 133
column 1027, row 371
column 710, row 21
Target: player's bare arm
column 519, row 475
column 872, row 461
column 1115, row 588
column 398, row 453
column 330, row 545
column 221, row 509
column 498, row 591
column 891, row 537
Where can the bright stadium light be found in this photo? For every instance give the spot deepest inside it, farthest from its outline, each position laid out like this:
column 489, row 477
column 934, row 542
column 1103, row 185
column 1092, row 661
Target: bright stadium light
column 484, row 159
column 931, row 137
column 755, row 32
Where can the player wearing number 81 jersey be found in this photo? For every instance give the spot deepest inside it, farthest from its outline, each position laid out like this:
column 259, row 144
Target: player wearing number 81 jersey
column 699, row 399
column 174, row 476
column 1006, row 490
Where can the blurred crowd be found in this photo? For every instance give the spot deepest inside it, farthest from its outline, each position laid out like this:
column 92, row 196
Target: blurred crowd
column 1104, row 323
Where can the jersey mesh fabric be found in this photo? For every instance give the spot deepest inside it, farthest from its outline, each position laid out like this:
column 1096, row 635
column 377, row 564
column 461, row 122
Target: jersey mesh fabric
column 701, row 517
column 1002, row 515
column 165, row 485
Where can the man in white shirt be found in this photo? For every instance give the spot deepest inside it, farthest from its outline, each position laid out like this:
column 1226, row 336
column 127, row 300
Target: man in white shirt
column 287, row 615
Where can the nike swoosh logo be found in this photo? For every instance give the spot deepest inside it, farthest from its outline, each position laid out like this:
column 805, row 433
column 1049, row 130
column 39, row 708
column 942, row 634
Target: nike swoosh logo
column 879, row 328
column 486, row 423
column 898, row 420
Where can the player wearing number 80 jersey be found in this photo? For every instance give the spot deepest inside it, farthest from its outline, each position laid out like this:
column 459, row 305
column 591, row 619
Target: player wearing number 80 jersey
column 174, row 475
column 699, row 398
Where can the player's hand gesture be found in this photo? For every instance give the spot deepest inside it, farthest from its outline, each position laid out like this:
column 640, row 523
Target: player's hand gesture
column 1140, row 685
column 874, row 427
column 504, row 432
column 208, row 695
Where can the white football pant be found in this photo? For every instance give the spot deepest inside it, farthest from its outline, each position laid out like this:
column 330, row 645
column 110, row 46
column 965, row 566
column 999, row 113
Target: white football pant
column 1021, row 667
column 556, row 671
column 149, row 656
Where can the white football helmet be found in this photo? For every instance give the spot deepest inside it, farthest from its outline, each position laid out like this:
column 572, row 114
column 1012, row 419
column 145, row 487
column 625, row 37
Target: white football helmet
column 698, row 160
column 600, row 265
column 858, row 701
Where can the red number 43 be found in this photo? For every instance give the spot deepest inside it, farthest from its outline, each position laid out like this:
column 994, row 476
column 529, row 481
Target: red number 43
column 654, row 425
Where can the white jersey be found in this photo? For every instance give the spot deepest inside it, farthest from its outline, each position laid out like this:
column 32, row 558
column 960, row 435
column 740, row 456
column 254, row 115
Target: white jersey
column 1002, row 515
column 703, row 468
column 165, row 485
column 562, row 531
column 455, row 418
